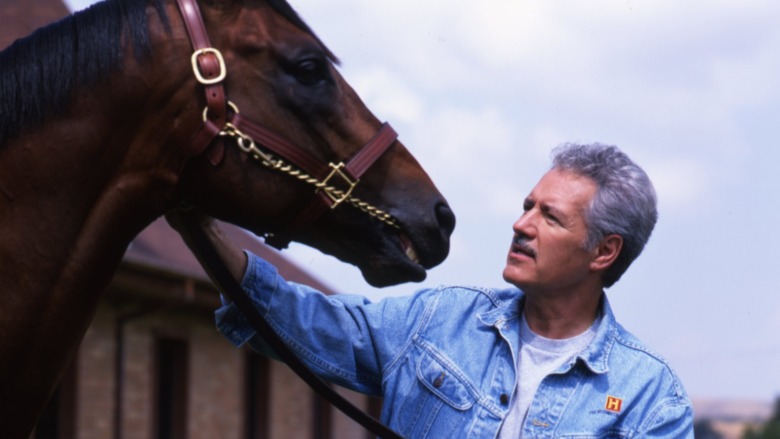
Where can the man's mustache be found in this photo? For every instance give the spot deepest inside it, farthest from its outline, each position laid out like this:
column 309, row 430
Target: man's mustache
column 520, row 244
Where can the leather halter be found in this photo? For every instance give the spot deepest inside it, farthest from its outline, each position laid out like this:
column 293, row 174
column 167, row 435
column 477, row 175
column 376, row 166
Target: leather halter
column 209, row 69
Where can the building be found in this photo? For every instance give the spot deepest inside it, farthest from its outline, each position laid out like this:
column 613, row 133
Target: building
column 152, row 365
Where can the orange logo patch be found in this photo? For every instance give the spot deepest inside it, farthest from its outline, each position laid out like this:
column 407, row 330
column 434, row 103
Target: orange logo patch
column 614, row 404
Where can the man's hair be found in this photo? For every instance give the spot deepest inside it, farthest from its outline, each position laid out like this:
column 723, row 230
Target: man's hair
column 625, row 203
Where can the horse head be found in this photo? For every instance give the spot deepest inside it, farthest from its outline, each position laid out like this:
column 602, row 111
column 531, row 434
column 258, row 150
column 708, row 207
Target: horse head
column 281, row 82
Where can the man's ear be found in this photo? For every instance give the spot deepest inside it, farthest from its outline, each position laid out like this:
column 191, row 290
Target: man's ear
column 606, row 252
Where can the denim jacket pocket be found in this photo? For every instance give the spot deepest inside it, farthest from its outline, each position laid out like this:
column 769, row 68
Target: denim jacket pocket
column 443, row 381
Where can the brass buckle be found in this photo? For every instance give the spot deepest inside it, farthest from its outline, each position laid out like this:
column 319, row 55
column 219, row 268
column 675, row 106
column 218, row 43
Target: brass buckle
column 196, row 69
column 329, row 191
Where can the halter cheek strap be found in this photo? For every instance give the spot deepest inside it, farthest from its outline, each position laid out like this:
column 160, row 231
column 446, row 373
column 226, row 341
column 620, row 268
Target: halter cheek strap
column 208, row 66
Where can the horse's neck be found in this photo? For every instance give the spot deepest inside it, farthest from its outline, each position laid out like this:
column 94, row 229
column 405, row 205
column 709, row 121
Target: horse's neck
column 68, row 208
column 72, row 196
column 75, row 191
column 62, row 235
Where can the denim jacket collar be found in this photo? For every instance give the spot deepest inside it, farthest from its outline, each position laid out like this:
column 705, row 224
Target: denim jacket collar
column 595, row 356
column 505, row 311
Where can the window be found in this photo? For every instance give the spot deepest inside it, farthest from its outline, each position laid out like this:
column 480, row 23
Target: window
column 256, row 401
column 322, row 417
column 374, row 409
column 57, row 421
column 171, row 388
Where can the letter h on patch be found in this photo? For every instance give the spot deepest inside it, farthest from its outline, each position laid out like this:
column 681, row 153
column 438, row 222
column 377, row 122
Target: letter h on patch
column 614, row 404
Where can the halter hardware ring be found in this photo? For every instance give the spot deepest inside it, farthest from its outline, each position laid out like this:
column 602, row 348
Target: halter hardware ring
column 229, row 103
column 195, row 69
column 338, row 196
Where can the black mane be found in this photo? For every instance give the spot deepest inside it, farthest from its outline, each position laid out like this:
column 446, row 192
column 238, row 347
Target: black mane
column 39, row 73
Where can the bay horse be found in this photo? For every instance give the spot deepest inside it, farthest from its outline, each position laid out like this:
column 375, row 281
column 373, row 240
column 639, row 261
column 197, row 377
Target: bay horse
column 118, row 114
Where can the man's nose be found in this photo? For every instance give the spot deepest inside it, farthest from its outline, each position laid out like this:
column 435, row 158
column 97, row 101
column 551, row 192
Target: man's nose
column 525, row 224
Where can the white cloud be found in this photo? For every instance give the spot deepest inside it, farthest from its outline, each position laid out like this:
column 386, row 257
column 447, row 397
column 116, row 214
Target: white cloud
column 388, row 95
column 682, row 185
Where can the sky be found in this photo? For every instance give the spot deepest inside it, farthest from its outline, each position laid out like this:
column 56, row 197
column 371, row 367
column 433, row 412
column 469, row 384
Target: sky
column 481, row 91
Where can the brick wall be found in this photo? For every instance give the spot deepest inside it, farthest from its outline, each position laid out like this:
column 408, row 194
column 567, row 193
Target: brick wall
column 216, row 382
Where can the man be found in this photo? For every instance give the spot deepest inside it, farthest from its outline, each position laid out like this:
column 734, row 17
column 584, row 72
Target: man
column 544, row 358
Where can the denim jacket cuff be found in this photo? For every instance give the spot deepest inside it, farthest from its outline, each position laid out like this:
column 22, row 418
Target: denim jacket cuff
column 259, row 282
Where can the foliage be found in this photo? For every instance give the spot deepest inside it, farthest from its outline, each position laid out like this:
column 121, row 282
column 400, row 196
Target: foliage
column 770, row 430
column 703, row 430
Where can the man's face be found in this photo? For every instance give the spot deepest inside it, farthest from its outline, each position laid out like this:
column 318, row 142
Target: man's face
column 547, row 253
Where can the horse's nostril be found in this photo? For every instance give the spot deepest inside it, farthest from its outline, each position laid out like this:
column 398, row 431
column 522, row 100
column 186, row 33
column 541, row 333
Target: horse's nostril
column 446, row 218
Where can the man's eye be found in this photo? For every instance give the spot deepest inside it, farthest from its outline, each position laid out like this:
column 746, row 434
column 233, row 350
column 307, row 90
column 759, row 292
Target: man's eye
column 551, row 217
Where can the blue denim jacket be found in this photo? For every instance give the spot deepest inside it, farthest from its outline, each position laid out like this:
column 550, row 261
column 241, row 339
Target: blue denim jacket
column 444, row 361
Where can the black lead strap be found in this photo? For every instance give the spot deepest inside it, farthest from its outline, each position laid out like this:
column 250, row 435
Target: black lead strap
column 220, row 275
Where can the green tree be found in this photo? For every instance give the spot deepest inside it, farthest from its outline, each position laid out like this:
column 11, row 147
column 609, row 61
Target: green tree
column 751, row 433
column 770, row 430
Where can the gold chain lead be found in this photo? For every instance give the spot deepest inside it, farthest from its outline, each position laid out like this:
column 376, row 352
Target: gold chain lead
column 247, row 144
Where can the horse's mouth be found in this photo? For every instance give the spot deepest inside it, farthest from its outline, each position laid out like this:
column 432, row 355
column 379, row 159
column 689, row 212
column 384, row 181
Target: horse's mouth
column 408, row 248
column 398, row 261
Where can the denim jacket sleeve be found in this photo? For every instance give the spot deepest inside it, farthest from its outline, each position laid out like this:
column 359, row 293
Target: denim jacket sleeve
column 343, row 338
column 672, row 419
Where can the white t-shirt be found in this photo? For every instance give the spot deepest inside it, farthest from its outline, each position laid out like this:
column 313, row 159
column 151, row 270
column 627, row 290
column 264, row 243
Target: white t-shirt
column 539, row 356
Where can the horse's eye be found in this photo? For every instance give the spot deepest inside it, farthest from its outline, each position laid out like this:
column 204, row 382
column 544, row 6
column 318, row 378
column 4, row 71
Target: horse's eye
column 310, row 71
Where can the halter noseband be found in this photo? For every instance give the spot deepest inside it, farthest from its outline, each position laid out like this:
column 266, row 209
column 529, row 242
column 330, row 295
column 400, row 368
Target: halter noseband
column 209, row 69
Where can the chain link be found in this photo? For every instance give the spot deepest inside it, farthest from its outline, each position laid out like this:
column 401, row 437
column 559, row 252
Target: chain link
column 247, row 144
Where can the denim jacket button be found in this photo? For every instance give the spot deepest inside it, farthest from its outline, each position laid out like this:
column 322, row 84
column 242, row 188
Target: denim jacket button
column 438, row 381
column 504, row 398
